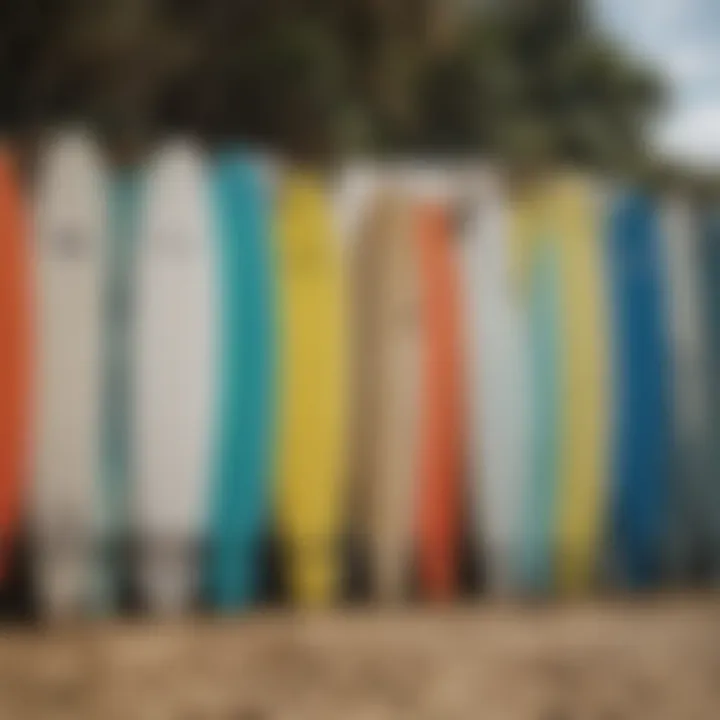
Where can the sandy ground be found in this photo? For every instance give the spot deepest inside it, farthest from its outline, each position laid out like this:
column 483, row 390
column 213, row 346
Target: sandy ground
column 642, row 660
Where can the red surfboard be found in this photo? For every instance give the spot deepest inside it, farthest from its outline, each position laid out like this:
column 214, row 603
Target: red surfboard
column 440, row 451
column 14, row 358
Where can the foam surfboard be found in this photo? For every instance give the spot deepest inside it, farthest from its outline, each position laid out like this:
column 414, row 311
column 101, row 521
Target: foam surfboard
column 691, row 524
column 124, row 192
column 497, row 384
column 15, row 359
column 585, row 384
column 242, row 480
column 311, row 472
column 641, row 413
column 174, row 374
column 439, row 492
column 388, row 342
column 71, row 250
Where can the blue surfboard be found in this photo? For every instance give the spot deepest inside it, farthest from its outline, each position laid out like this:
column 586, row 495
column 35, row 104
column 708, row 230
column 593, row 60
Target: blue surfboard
column 641, row 416
column 124, row 198
column 240, row 501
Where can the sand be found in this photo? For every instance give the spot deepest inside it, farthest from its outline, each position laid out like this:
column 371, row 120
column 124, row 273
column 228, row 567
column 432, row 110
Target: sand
column 655, row 660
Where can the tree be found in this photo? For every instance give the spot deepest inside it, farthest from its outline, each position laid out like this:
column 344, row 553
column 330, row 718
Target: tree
column 520, row 79
column 546, row 84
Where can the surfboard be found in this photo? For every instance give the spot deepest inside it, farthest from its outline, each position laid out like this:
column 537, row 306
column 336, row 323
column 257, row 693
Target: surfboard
column 440, row 459
column 545, row 344
column 585, row 384
column 15, row 359
column 387, row 312
column 175, row 369
column 311, row 471
column 639, row 508
column 357, row 185
column 355, row 188
column 691, row 523
column 242, row 482
column 124, row 192
column 535, row 269
column 497, row 373
column 71, row 245
column 709, row 251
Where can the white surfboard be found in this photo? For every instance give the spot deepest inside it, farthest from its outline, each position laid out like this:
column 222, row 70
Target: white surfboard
column 174, row 375
column 692, row 522
column 497, row 379
column 70, row 250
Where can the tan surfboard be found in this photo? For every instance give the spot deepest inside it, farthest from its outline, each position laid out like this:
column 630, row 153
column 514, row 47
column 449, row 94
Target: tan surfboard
column 388, row 339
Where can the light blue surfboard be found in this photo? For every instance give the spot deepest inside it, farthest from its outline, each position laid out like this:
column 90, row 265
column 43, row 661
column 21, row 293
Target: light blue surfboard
column 641, row 427
column 540, row 503
column 124, row 198
column 241, row 489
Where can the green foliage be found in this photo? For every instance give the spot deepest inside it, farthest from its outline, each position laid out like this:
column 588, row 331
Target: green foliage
column 533, row 90
column 320, row 76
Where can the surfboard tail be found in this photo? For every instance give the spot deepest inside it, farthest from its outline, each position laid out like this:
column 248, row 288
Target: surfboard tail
column 315, row 574
column 169, row 578
column 64, row 575
column 235, row 576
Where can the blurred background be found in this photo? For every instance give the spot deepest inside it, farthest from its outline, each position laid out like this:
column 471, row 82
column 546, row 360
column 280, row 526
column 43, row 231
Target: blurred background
column 597, row 82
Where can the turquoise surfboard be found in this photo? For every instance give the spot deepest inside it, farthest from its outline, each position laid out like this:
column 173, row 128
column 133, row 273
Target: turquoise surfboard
column 124, row 198
column 641, row 427
column 241, row 490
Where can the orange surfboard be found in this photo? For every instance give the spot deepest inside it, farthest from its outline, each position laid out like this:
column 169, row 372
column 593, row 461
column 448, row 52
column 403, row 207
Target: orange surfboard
column 440, row 436
column 14, row 358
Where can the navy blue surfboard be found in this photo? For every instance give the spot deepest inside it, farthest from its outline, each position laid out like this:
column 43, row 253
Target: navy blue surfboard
column 709, row 223
column 641, row 417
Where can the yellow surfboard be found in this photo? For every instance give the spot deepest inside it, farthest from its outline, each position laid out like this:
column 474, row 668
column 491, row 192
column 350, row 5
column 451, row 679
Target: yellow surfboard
column 585, row 383
column 312, row 390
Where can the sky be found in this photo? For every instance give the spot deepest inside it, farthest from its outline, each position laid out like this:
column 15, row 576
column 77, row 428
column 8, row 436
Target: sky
column 682, row 39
